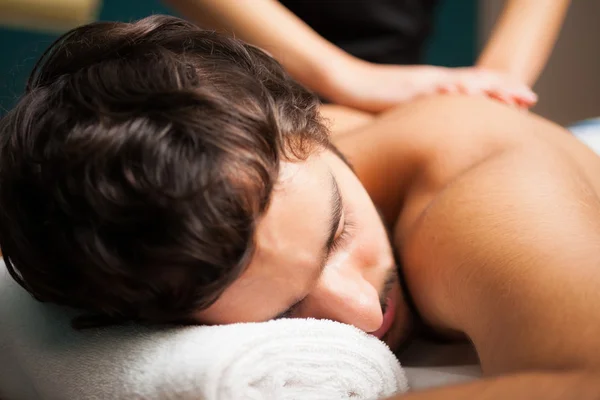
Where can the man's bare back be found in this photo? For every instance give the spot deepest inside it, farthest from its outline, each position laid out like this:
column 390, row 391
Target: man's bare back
column 497, row 220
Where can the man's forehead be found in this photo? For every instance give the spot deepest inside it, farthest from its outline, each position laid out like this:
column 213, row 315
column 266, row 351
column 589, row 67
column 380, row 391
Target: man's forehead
column 292, row 229
column 293, row 176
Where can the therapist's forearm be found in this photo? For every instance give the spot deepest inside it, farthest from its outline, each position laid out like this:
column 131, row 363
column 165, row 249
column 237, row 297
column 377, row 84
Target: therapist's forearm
column 523, row 38
column 547, row 386
column 306, row 55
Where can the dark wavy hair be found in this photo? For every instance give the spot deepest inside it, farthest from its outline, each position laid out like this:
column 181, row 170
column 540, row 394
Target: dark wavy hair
column 135, row 167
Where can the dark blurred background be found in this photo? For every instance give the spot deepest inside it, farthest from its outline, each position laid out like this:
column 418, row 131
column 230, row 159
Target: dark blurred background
column 453, row 43
column 569, row 88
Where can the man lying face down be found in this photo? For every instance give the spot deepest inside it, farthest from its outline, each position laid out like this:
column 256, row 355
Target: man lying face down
column 159, row 173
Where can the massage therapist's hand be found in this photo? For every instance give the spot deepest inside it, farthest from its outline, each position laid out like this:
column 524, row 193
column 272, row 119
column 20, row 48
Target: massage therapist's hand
column 376, row 87
column 496, row 85
column 349, row 81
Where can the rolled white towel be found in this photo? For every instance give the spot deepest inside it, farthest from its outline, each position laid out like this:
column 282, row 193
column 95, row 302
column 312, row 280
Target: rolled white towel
column 43, row 358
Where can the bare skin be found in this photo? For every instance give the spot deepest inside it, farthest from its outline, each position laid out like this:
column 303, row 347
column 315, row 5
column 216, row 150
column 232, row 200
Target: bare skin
column 497, row 217
column 343, row 120
column 547, row 386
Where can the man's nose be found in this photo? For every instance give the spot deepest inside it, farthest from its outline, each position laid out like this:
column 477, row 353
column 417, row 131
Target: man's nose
column 346, row 296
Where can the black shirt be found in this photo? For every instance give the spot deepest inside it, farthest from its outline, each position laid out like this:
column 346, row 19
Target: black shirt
column 381, row 31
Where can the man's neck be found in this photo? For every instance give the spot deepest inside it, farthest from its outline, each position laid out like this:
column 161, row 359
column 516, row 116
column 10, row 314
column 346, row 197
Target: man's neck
column 385, row 160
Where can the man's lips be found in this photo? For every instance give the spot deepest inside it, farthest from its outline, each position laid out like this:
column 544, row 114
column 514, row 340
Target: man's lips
column 388, row 317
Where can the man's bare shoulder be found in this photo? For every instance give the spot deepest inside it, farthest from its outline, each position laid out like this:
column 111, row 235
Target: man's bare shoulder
column 502, row 254
column 439, row 136
column 497, row 218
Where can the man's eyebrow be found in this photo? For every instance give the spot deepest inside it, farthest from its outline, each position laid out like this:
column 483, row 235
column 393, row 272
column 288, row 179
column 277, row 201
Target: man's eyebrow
column 334, row 219
column 336, row 207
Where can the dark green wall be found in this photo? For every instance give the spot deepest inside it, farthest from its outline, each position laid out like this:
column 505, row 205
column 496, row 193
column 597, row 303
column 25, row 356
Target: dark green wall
column 20, row 49
column 454, row 40
column 452, row 44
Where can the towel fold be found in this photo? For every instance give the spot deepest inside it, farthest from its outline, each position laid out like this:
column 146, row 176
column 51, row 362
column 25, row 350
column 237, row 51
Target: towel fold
column 41, row 357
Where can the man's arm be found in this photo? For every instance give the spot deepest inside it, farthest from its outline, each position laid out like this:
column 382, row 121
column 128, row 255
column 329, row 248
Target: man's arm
column 523, row 38
column 565, row 386
column 509, row 253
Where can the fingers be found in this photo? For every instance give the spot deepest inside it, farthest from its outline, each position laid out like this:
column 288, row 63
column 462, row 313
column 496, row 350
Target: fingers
column 473, row 81
column 515, row 97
